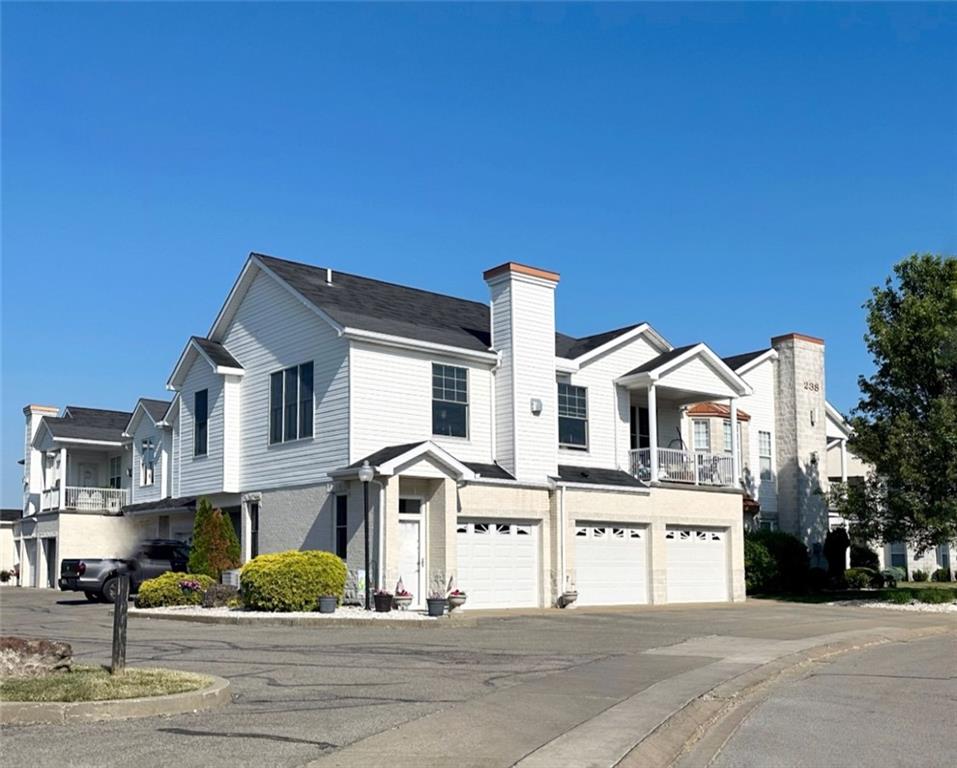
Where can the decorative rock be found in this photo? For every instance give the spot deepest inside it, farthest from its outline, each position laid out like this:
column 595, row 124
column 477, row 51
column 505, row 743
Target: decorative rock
column 33, row 657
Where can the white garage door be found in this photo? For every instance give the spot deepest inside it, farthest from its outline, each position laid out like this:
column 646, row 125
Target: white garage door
column 611, row 564
column 498, row 563
column 697, row 565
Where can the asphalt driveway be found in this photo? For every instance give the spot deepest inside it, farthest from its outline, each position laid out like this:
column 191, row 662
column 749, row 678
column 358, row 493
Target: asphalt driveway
column 512, row 686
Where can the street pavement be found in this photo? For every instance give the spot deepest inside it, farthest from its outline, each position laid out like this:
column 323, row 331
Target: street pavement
column 892, row 705
column 553, row 688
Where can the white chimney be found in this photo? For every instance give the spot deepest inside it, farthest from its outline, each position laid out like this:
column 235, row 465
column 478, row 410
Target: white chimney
column 523, row 333
column 32, row 458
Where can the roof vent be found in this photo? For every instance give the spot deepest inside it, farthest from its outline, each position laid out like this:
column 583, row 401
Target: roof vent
column 328, row 276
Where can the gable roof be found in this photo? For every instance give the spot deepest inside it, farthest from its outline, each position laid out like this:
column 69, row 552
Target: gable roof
column 94, row 424
column 386, row 461
column 716, row 410
column 664, row 357
column 570, row 347
column 214, row 353
column 667, row 362
column 737, row 362
column 155, row 408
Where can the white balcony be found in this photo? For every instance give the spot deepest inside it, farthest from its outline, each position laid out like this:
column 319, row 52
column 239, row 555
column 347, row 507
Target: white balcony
column 681, row 466
column 85, row 499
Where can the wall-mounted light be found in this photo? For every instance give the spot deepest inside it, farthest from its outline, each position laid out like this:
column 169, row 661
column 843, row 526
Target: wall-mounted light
column 813, row 416
column 536, row 406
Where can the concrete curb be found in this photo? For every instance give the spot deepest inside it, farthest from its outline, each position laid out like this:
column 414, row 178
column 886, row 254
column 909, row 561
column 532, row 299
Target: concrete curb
column 62, row 713
column 447, row 622
column 675, row 738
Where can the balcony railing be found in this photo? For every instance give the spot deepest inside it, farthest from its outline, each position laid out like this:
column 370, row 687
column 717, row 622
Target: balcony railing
column 83, row 499
column 680, row 466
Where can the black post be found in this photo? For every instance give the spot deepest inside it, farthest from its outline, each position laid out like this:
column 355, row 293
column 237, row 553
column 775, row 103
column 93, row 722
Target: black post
column 120, row 606
column 365, row 505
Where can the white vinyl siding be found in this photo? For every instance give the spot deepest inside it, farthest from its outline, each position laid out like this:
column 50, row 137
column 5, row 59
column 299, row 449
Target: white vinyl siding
column 201, row 474
column 609, row 406
column 501, row 314
column 392, row 402
column 270, row 331
column 145, row 429
column 760, row 407
column 697, row 376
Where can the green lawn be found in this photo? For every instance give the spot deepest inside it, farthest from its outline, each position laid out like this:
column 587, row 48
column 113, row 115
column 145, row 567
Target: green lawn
column 908, row 591
column 926, row 585
column 87, row 683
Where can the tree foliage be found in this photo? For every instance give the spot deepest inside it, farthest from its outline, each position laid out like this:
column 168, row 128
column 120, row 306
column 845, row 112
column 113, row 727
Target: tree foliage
column 215, row 544
column 905, row 424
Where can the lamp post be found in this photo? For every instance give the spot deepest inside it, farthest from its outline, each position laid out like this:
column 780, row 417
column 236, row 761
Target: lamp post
column 366, row 473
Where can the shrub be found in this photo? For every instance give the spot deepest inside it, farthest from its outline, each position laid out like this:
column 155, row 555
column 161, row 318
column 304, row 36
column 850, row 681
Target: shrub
column 936, row 596
column 790, row 557
column 291, row 580
column 219, row 595
column 760, row 570
column 215, row 544
column 835, row 551
column 941, row 574
column 899, row 596
column 864, row 557
column 862, row 578
column 173, row 589
column 818, row 580
column 5, row 576
column 920, row 575
column 893, row 575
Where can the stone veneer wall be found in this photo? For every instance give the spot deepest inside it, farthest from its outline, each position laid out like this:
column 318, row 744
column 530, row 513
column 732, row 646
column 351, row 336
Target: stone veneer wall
column 801, row 442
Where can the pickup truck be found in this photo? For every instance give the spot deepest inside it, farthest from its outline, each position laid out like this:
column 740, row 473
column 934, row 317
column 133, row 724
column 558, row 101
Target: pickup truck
column 97, row 577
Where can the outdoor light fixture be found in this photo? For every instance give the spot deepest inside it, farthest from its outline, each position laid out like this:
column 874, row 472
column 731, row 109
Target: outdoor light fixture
column 366, row 473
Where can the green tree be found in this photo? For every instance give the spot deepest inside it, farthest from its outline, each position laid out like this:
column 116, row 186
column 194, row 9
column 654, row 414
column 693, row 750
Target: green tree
column 905, row 424
column 215, row 544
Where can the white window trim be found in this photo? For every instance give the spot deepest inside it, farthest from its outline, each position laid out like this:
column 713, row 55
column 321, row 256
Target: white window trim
column 468, row 402
column 574, row 446
column 694, row 434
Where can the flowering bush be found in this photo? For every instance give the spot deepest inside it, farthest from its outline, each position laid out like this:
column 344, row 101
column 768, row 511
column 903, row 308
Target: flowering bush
column 190, row 585
column 173, row 589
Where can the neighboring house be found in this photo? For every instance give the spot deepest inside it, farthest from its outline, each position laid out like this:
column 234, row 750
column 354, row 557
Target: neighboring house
column 76, row 475
column 8, row 551
column 844, row 467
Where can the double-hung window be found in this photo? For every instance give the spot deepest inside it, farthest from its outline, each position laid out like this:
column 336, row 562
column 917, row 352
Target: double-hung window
column 702, row 439
column 147, row 463
column 450, row 401
column 764, row 454
column 291, row 403
column 116, row 472
column 572, row 416
column 200, row 422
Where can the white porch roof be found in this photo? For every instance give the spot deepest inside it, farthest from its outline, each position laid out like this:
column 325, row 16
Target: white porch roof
column 692, row 373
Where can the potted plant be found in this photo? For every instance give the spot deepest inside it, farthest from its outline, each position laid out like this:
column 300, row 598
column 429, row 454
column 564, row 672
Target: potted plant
column 328, row 603
column 383, row 600
column 436, row 601
column 402, row 598
column 456, row 599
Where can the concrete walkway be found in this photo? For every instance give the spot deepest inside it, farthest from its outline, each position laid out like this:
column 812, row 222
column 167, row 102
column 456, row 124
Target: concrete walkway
column 548, row 688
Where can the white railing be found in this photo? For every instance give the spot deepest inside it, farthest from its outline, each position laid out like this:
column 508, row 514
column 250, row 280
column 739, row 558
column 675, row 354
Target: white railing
column 85, row 499
column 679, row 466
column 50, row 499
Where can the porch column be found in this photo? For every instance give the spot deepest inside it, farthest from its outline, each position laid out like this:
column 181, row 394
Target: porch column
column 63, row 478
column 844, row 462
column 653, row 432
column 735, row 458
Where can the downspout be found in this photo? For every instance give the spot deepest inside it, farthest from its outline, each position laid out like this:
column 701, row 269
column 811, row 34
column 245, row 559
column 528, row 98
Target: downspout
column 562, row 532
column 380, row 580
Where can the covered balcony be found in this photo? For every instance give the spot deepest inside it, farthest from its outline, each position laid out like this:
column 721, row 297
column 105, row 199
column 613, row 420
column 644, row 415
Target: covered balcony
column 658, row 391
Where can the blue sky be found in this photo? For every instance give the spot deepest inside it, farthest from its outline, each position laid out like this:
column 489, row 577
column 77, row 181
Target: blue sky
column 726, row 172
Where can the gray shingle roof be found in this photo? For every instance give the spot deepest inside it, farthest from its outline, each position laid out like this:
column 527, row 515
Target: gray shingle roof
column 597, row 476
column 182, row 502
column 10, row 515
column 488, row 471
column 386, row 454
column 663, row 358
column 217, row 352
column 89, row 424
column 374, row 305
column 736, row 361
column 155, row 408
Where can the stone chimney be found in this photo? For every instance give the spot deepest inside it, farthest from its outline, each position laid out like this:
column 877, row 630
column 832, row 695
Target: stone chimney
column 32, row 458
column 523, row 333
column 801, row 440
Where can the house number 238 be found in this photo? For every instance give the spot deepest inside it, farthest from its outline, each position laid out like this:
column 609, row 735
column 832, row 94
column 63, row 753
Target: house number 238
column 812, row 386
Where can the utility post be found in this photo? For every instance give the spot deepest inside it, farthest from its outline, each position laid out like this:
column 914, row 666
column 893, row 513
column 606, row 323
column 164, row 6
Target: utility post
column 120, row 607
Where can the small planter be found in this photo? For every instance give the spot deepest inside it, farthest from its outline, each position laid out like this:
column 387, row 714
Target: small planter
column 402, row 602
column 327, row 604
column 456, row 602
column 437, row 605
column 383, row 603
column 568, row 599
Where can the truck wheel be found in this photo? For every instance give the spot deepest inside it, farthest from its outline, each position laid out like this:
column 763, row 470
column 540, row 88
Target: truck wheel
column 109, row 590
column 92, row 596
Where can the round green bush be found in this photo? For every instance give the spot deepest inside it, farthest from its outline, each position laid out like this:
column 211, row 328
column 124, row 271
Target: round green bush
column 291, row 581
column 173, row 589
column 862, row 578
column 900, row 596
column 790, row 557
column 893, row 575
column 864, row 557
column 936, row 596
column 941, row 574
column 760, row 570
column 920, row 575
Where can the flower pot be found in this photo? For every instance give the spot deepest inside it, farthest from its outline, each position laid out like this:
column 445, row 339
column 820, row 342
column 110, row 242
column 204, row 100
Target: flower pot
column 568, row 598
column 402, row 602
column 327, row 604
column 456, row 602
column 437, row 605
column 383, row 603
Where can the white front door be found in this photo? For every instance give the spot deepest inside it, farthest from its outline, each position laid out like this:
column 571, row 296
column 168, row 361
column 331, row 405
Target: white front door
column 498, row 563
column 697, row 565
column 410, row 559
column 611, row 564
column 88, row 476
